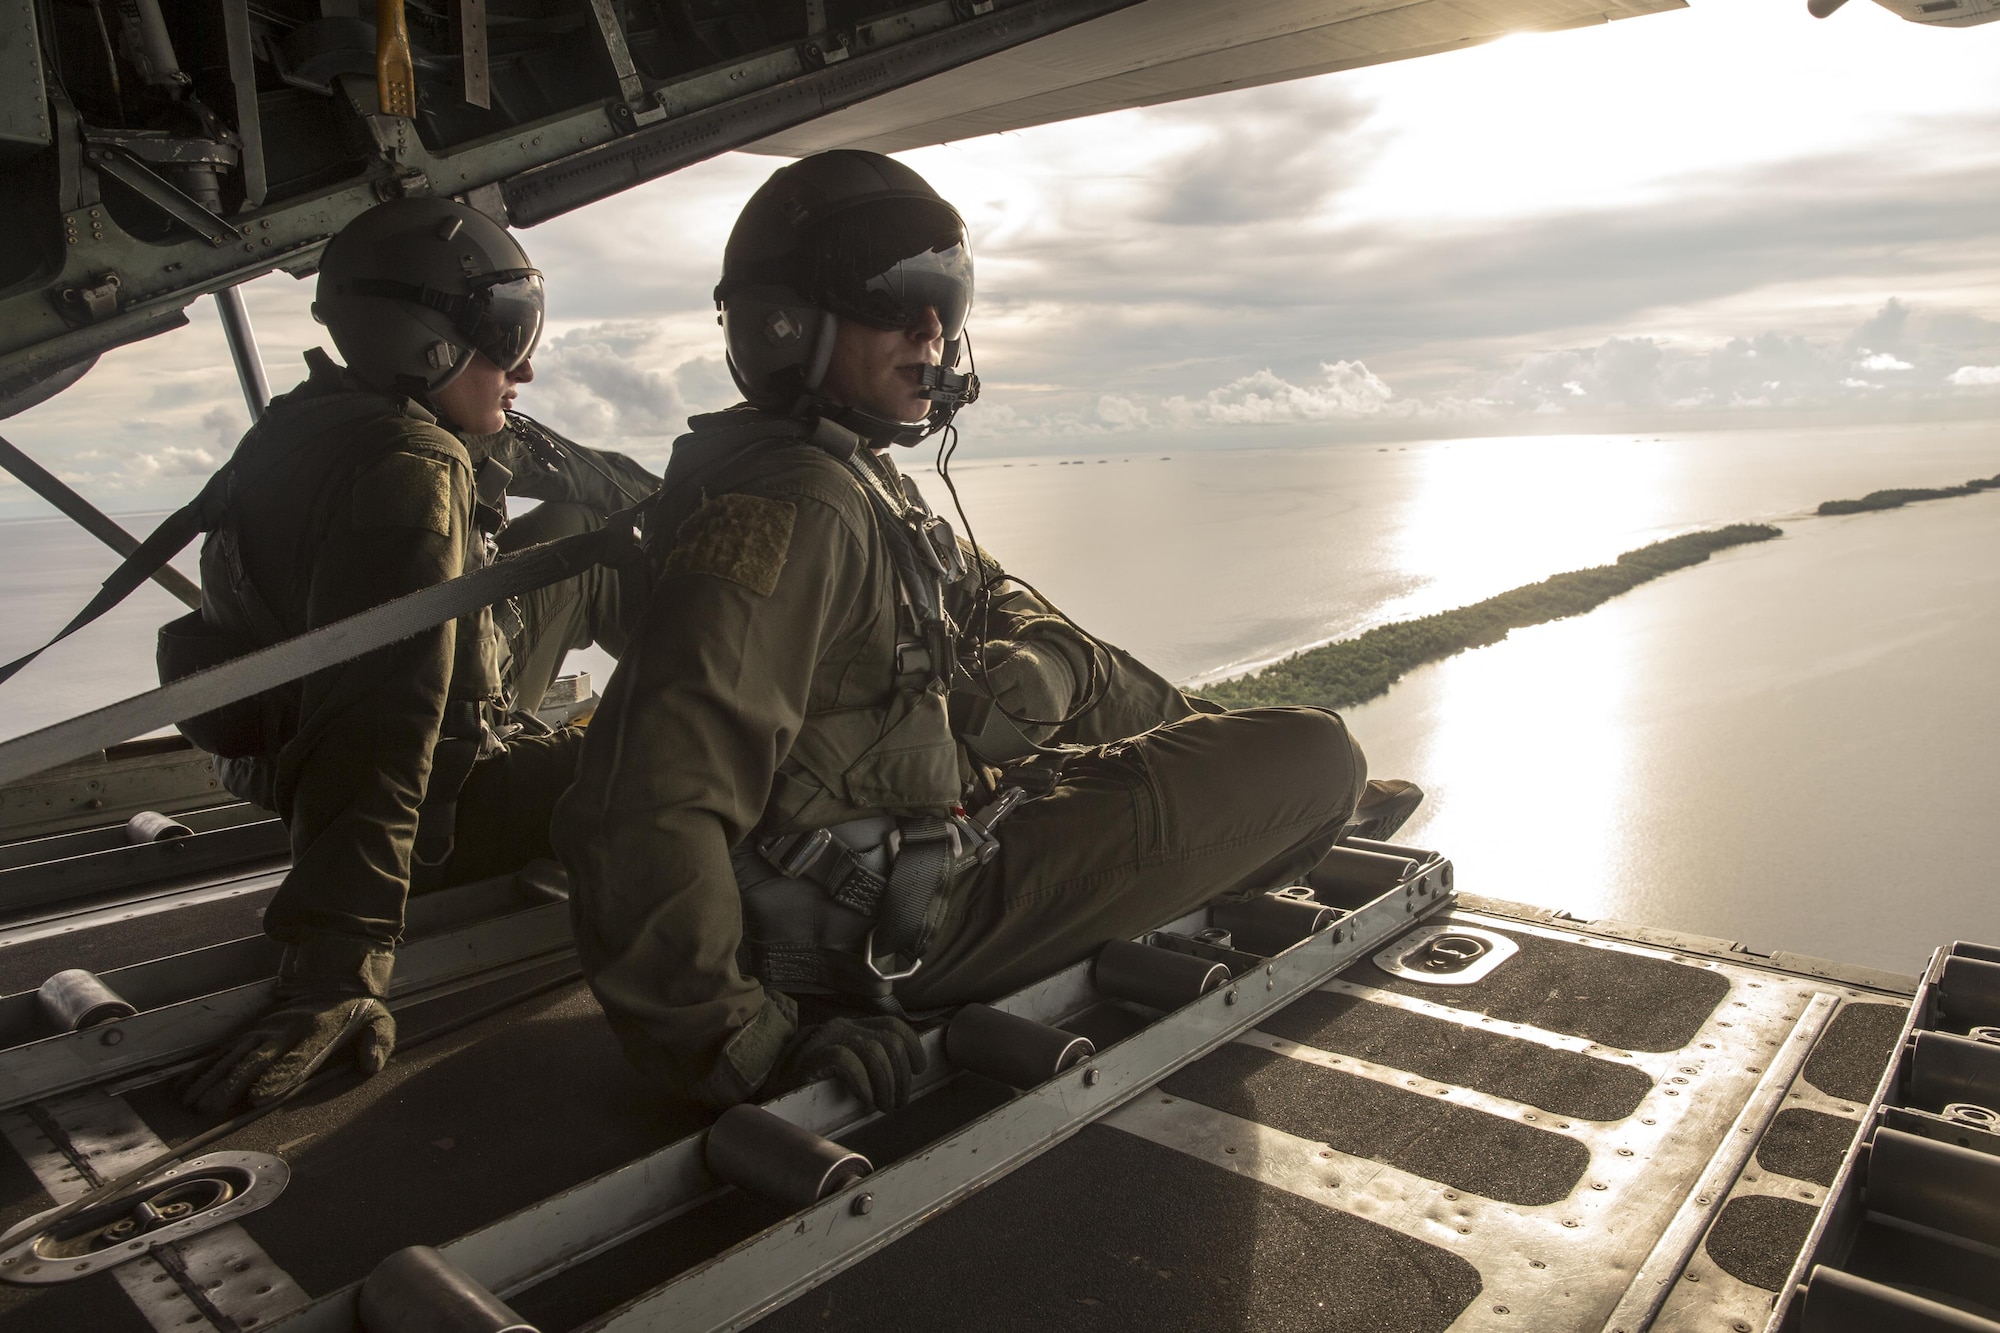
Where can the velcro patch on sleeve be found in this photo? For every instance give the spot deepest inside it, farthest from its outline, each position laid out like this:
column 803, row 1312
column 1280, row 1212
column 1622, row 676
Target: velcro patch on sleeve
column 405, row 491
column 742, row 538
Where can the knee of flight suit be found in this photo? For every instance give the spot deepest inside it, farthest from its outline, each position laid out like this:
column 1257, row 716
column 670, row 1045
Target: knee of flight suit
column 549, row 521
column 1319, row 754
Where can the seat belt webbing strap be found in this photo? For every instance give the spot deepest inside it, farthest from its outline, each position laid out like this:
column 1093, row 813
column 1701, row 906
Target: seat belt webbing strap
column 166, row 541
column 377, row 627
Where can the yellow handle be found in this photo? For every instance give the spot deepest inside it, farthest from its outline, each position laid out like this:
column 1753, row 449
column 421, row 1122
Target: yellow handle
column 395, row 72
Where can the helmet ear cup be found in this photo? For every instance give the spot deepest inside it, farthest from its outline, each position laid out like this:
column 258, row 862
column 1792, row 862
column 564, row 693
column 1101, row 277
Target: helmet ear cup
column 822, row 352
column 773, row 338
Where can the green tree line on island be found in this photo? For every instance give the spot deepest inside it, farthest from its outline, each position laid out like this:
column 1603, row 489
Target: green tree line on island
column 1896, row 499
column 1353, row 671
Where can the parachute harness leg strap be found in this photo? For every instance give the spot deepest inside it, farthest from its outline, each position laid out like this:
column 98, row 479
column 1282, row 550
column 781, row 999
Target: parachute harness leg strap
column 924, row 865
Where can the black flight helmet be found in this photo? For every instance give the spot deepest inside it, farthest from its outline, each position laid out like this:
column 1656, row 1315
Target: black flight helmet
column 412, row 288
column 843, row 235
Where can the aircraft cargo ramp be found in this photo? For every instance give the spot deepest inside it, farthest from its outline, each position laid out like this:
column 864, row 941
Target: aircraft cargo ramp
column 1366, row 1104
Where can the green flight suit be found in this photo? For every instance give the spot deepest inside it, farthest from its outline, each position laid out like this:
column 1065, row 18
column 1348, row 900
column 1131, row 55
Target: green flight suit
column 345, row 499
column 761, row 695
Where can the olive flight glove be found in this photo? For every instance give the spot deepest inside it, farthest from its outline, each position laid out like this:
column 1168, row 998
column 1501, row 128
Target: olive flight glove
column 329, row 999
column 877, row 1058
column 1032, row 684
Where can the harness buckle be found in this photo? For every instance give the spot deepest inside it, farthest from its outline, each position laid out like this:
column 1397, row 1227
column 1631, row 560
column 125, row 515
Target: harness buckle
column 868, row 961
column 794, row 854
column 940, row 543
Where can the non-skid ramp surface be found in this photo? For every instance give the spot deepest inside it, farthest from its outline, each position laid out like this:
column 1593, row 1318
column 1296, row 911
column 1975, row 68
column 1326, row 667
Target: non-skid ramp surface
column 1757, row 1236
column 1848, row 1061
column 1413, row 1130
column 1806, row 1145
column 1619, row 997
column 1110, row 1232
column 1565, row 1082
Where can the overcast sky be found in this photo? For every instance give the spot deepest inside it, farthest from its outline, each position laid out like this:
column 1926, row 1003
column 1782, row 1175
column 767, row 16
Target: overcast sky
column 1728, row 215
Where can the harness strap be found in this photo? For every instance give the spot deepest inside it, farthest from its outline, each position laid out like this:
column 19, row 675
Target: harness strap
column 908, row 914
column 820, row 858
column 166, row 541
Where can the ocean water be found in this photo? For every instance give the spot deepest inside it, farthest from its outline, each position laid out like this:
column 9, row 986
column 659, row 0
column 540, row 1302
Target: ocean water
column 1793, row 745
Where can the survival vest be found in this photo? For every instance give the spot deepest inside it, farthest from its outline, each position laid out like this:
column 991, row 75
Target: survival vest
column 845, row 880
column 301, row 462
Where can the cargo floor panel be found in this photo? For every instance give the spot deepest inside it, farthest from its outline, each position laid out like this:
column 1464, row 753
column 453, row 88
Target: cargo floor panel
column 1848, row 1060
column 1109, row 1232
column 1414, row 1131
column 1564, row 1082
column 1625, row 998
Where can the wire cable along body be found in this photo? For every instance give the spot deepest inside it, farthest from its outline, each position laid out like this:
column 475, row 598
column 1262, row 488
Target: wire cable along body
column 971, row 647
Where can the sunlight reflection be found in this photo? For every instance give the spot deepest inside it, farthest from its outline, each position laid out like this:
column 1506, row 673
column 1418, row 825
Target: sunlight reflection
column 1525, row 751
column 1488, row 515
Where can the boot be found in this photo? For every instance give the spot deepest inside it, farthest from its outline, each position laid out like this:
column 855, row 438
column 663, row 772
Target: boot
column 1385, row 806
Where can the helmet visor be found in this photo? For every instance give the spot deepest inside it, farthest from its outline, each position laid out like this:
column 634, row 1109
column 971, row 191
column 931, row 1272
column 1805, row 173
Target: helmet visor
column 503, row 317
column 940, row 280
column 885, row 264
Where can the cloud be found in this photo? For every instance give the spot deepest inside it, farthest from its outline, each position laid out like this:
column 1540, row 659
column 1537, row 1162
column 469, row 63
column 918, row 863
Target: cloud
column 1632, row 379
column 604, row 381
column 1342, row 391
column 226, row 423
column 171, row 461
column 1279, row 154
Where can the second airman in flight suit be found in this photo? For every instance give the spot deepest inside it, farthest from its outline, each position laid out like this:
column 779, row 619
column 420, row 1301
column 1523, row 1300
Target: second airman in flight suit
column 420, row 762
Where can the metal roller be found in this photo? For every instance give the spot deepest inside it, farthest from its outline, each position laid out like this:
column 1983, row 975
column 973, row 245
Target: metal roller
column 1937, row 1185
column 1157, row 977
column 75, row 999
column 1837, row 1302
column 1347, row 867
column 1946, row 1068
column 767, row 1155
column 1966, row 949
column 1418, row 854
column 152, row 826
column 1016, row 1051
column 1969, row 991
column 1266, row 923
column 418, row 1290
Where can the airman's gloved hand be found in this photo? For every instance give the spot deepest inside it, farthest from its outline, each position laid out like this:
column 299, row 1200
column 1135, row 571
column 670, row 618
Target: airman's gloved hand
column 1029, row 679
column 289, row 1044
column 877, row 1058
column 330, row 991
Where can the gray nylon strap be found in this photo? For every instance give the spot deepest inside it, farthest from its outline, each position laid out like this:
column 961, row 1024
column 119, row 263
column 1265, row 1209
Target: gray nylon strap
column 203, row 691
column 922, row 866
